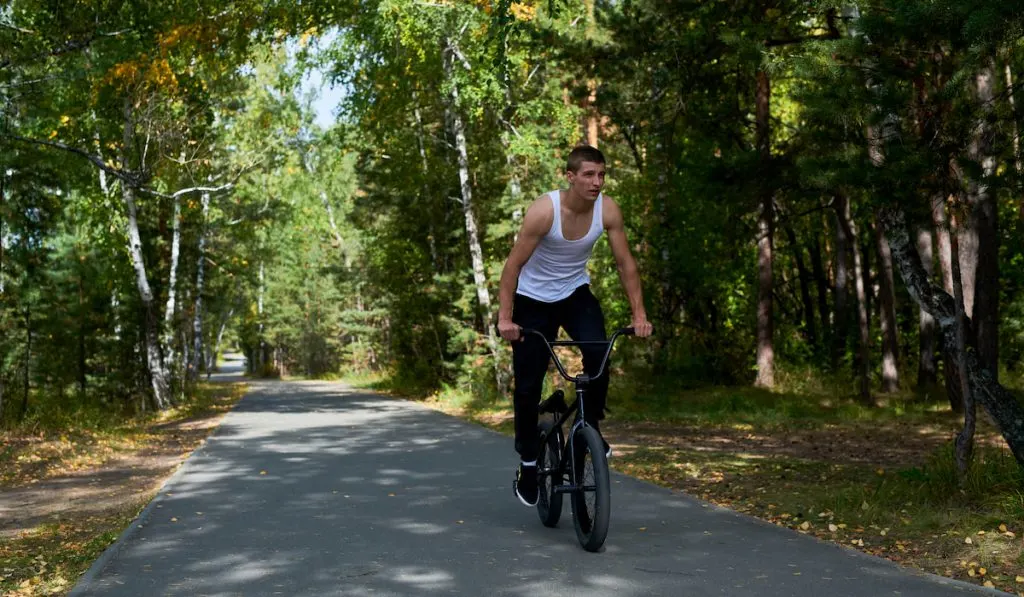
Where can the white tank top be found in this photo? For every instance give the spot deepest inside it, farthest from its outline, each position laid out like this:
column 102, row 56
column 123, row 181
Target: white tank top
column 559, row 266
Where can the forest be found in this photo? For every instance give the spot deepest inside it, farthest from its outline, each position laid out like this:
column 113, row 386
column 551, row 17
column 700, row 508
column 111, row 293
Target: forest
column 816, row 192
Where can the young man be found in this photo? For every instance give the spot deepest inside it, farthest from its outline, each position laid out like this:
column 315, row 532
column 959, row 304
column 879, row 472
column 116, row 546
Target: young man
column 545, row 285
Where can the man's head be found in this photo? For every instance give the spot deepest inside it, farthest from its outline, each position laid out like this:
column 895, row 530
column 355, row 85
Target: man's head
column 583, row 153
column 585, row 171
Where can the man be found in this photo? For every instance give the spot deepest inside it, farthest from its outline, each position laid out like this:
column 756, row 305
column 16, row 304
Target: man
column 545, row 285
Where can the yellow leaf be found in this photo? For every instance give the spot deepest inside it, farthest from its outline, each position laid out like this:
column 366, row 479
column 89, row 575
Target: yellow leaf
column 391, row 495
column 971, row 573
column 642, row 529
column 1019, row 579
column 806, row 525
column 263, row 472
column 982, row 571
column 968, row 540
column 981, row 532
column 833, row 528
column 1002, row 528
column 174, row 519
column 989, row 584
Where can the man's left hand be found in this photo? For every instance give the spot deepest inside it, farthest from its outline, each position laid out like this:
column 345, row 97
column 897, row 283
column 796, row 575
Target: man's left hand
column 642, row 327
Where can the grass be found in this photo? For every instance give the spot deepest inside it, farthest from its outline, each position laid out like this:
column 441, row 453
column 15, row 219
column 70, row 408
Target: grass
column 48, row 558
column 880, row 479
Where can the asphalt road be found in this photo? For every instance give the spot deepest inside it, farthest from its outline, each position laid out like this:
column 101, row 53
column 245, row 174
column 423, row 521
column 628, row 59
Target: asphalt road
column 312, row 488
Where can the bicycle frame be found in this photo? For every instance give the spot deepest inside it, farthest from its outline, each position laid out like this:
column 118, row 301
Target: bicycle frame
column 576, row 409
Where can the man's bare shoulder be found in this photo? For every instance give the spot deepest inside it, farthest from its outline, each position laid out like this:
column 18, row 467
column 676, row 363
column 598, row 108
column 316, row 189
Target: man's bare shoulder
column 610, row 212
column 539, row 215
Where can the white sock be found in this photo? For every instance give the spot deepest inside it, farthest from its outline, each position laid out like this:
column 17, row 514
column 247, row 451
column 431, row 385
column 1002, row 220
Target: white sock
column 531, row 463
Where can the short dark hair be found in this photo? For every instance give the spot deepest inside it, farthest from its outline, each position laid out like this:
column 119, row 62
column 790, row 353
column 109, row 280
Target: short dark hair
column 583, row 153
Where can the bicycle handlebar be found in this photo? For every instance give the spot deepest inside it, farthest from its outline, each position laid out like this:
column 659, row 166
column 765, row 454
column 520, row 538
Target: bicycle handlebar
column 561, row 369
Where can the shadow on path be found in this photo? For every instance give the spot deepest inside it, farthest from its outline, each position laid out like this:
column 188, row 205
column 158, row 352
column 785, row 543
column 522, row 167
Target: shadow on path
column 310, row 488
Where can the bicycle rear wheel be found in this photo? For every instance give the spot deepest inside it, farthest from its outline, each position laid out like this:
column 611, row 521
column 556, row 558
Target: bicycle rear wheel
column 549, row 475
column 591, row 502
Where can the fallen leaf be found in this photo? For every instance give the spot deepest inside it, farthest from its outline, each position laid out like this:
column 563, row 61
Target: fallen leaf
column 263, row 472
column 989, row 584
column 806, row 525
column 982, row 571
column 833, row 528
column 1002, row 528
column 174, row 519
column 1019, row 579
column 971, row 573
column 968, row 540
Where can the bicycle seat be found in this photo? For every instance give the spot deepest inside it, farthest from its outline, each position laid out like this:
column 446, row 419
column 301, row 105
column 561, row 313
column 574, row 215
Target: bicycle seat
column 555, row 403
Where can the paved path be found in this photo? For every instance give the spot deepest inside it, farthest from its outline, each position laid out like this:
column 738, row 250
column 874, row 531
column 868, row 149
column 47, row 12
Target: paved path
column 313, row 489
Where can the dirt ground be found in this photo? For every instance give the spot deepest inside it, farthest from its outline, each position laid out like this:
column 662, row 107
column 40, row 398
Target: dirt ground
column 121, row 480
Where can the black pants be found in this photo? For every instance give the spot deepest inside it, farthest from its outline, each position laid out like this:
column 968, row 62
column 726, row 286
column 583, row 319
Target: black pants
column 580, row 314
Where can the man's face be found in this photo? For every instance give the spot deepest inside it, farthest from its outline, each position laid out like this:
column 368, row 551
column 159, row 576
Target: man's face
column 588, row 180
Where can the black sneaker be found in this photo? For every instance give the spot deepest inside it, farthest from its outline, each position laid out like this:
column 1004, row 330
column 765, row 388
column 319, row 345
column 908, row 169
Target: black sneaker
column 525, row 485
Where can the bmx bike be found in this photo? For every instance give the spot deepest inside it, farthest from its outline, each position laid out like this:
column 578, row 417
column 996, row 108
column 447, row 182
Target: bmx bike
column 575, row 463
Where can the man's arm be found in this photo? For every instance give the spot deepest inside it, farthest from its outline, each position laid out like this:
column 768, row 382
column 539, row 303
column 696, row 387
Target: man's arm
column 536, row 224
column 626, row 264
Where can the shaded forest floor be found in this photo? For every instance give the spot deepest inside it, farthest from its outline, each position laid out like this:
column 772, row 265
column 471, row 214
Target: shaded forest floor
column 878, row 479
column 65, row 495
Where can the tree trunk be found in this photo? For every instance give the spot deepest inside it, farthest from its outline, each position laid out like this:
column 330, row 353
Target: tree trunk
column 1016, row 130
column 863, row 364
column 82, row 370
column 154, row 360
column 944, row 243
column 927, row 368
column 425, row 189
column 197, row 317
column 821, row 284
column 27, row 378
column 1000, row 404
column 590, row 106
column 964, row 446
column 765, row 231
column 805, row 286
column 3, row 214
column 984, row 312
column 154, row 357
column 172, row 284
column 472, row 234
column 261, row 358
column 887, row 312
column 841, row 326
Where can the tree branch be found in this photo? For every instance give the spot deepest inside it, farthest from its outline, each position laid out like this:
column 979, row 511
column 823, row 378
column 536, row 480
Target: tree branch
column 96, row 160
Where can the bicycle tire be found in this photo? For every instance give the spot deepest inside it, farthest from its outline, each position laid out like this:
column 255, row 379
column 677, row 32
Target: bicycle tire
column 549, row 503
column 590, row 517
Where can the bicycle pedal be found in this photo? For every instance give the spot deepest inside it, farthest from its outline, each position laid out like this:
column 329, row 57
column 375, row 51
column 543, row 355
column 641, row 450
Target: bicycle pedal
column 555, row 403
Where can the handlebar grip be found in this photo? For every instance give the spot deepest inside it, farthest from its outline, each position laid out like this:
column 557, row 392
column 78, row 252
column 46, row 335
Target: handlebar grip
column 628, row 331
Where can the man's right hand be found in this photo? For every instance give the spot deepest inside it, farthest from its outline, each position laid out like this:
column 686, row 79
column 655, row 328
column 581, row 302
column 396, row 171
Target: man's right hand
column 509, row 330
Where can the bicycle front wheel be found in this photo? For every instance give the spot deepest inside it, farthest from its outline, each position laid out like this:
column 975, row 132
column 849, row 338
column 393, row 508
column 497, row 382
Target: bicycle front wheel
column 591, row 502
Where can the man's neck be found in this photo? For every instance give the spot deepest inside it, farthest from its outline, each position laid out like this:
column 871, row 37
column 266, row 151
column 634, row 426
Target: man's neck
column 576, row 203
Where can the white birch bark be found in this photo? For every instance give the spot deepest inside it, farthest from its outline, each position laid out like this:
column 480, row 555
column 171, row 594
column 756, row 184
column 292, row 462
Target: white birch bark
column 172, row 283
column 472, row 233
column 197, row 319
column 154, row 358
